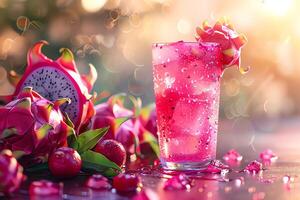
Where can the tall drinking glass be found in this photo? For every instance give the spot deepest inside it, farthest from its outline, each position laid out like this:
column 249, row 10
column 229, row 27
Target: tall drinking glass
column 187, row 89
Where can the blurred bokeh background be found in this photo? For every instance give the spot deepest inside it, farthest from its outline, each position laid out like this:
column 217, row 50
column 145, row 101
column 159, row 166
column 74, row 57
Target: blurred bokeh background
column 116, row 36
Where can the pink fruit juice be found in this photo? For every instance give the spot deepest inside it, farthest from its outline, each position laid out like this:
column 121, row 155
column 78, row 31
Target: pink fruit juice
column 187, row 89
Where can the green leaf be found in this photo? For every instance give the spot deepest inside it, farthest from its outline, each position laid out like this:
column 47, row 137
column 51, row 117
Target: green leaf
column 37, row 168
column 89, row 139
column 119, row 121
column 137, row 105
column 94, row 168
column 98, row 160
column 72, row 141
column 149, row 138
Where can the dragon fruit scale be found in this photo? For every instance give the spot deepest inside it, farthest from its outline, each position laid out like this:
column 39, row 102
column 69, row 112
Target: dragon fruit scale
column 107, row 114
column 60, row 79
column 33, row 125
column 11, row 173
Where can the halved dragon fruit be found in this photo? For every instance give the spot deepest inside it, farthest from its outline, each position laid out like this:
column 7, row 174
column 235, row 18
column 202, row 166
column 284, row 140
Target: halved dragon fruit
column 33, row 125
column 224, row 34
column 60, row 79
column 11, row 173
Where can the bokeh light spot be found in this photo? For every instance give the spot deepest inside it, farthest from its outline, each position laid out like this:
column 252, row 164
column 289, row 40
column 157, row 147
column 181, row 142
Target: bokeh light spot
column 92, row 5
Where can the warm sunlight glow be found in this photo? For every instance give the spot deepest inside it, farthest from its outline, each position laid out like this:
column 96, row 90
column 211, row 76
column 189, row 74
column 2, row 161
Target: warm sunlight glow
column 278, row 7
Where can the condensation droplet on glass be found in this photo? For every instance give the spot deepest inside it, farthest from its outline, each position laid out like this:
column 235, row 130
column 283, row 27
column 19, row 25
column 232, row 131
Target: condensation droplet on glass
column 184, row 69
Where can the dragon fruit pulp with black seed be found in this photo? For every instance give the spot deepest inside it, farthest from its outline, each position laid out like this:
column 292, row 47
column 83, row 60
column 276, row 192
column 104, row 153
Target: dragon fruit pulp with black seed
column 44, row 188
column 33, row 125
column 11, row 173
column 60, row 79
column 229, row 40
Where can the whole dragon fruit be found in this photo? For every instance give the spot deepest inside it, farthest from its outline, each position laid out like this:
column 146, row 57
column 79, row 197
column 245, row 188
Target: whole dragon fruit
column 60, row 79
column 33, row 125
column 11, row 173
column 107, row 115
column 133, row 134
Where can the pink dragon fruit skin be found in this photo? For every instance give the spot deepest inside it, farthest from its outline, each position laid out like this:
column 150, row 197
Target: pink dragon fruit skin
column 106, row 115
column 11, row 173
column 33, row 125
column 151, row 124
column 59, row 79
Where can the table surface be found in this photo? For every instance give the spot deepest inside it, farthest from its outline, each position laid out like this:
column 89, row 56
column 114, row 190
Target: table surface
column 249, row 137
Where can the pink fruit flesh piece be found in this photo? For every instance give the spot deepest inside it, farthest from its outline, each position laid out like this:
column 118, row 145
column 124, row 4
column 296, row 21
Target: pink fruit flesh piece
column 268, row 156
column 45, row 188
column 98, row 182
column 178, row 182
column 60, row 79
column 233, row 155
column 11, row 173
column 216, row 167
column 253, row 167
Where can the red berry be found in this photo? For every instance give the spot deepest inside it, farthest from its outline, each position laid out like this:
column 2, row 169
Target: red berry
column 127, row 183
column 98, row 182
column 45, row 188
column 113, row 150
column 64, row 162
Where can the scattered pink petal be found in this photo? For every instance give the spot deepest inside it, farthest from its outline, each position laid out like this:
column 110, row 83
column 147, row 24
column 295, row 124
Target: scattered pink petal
column 268, row 156
column 216, row 167
column 233, row 155
column 45, row 188
column 178, row 182
column 253, row 167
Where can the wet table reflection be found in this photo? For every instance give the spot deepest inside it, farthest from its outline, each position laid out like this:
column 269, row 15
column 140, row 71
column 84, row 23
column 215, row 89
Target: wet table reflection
column 280, row 180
